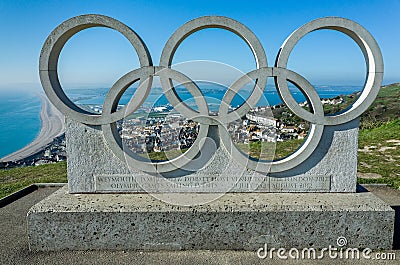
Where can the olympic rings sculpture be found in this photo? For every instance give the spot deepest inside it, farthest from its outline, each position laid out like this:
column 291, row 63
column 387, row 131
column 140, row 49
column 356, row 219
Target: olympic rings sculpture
column 60, row 35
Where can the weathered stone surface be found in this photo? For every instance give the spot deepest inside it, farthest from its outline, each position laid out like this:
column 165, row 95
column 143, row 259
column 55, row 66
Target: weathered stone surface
column 235, row 221
column 303, row 183
column 93, row 167
column 88, row 155
column 334, row 157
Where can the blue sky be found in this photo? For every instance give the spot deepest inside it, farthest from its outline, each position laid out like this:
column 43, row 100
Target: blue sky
column 98, row 57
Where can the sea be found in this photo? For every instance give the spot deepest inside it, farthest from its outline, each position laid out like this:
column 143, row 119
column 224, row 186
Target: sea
column 20, row 109
column 19, row 119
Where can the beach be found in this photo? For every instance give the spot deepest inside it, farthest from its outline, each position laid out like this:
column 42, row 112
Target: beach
column 53, row 125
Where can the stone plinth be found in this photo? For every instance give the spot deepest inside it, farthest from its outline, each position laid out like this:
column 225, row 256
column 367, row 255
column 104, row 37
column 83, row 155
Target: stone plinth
column 94, row 168
column 235, row 221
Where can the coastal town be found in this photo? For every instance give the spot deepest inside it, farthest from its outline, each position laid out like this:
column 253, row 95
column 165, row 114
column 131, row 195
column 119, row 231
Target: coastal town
column 51, row 153
column 161, row 129
column 162, row 132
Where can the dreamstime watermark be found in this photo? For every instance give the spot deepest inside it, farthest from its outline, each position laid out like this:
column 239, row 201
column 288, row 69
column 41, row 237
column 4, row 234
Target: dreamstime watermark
column 332, row 252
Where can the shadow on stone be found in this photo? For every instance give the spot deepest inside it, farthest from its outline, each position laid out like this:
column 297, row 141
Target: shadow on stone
column 396, row 234
column 321, row 151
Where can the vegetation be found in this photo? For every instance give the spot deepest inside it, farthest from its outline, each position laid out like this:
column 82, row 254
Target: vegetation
column 17, row 178
column 379, row 153
column 385, row 108
column 379, row 148
column 379, row 139
column 163, row 156
column 264, row 150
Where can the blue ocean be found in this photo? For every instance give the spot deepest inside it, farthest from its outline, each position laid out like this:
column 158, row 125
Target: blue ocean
column 20, row 110
column 19, row 119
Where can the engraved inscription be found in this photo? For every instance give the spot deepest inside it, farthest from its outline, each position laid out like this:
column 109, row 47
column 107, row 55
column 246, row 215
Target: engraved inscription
column 204, row 183
column 301, row 183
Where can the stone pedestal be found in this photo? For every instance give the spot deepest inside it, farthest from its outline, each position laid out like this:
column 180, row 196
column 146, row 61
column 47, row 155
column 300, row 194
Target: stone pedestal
column 235, row 221
column 94, row 168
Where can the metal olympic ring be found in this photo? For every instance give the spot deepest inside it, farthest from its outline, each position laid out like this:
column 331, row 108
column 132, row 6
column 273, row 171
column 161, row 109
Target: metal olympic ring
column 59, row 36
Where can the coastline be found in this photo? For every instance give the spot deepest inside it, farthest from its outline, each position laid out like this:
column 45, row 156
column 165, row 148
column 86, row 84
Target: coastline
column 53, row 125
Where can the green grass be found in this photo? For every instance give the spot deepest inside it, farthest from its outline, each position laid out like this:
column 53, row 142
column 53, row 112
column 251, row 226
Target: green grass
column 385, row 108
column 262, row 150
column 379, row 152
column 14, row 179
column 163, row 156
column 285, row 148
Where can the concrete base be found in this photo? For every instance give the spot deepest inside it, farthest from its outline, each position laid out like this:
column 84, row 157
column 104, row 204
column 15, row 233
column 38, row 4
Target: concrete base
column 235, row 221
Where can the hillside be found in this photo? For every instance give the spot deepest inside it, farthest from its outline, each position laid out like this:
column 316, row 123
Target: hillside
column 17, row 178
column 379, row 139
column 379, row 154
column 385, row 108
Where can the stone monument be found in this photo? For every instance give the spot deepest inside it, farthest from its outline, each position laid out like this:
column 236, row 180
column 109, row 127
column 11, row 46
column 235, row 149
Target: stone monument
column 214, row 195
